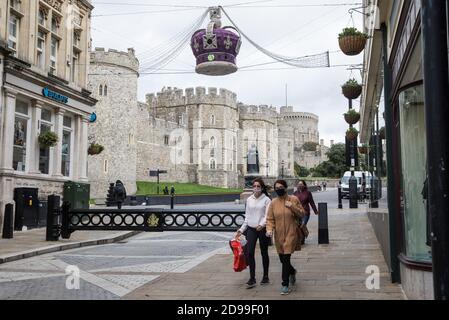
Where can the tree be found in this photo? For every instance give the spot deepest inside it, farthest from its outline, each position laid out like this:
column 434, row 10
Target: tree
column 301, row 171
column 335, row 166
column 309, row 146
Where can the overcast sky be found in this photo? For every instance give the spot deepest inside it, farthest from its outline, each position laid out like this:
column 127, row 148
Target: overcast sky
column 283, row 29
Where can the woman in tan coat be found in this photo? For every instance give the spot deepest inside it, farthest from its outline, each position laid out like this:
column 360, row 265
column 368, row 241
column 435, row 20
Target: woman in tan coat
column 283, row 216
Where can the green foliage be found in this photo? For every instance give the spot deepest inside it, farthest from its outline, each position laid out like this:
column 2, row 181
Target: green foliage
column 48, row 139
column 301, row 171
column 351, row 83
column 309, row 146
column 95, row 148
column 352, row 112
column 335, row 166
column 147, row 188
column 352, row 32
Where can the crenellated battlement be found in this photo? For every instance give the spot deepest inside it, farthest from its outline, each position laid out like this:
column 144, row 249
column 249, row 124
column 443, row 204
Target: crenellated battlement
column 287, row 113
column 173, row 97
column 261, row 112
column 115, row 58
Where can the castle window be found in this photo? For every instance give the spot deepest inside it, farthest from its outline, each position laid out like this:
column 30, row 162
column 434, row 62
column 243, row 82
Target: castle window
column 105, row 92
column 166, row 138
column 212, row 153
column 212, row 142
column 212, row 119
column 105, row 166
column 212, row 164
column 100, row 90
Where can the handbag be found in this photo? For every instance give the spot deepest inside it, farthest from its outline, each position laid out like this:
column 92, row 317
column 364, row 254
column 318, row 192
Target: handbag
column 240, row 263
column 302, row 233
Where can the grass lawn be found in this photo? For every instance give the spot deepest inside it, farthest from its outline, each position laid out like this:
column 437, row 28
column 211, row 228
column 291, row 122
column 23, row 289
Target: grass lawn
column 146, row 188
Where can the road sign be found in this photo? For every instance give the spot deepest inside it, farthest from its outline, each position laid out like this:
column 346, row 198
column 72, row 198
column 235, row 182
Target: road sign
column 153, row 173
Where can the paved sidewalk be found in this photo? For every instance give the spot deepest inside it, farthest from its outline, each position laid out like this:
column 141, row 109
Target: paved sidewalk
column 334, row 271
column 31, row 243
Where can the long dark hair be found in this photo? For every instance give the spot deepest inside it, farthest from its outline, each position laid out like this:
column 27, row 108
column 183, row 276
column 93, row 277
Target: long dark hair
column 304, row 183
column 262, row 184
column 280, row 181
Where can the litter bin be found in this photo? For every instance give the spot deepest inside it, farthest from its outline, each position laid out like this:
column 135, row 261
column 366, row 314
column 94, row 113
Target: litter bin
column 78, row 194
column 27, row 208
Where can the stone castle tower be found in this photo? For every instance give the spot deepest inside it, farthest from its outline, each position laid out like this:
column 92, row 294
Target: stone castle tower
column 113, row 81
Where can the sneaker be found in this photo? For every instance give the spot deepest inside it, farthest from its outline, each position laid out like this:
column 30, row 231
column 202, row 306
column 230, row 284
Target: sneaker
column 265, row 280
column 293, row 279
column 251, row 283
column 285, row 290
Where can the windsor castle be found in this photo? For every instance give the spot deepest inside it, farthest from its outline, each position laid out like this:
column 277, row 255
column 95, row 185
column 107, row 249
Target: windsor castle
column 197, row 135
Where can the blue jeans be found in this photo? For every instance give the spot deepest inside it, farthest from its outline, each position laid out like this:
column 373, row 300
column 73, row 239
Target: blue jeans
column 306, row 219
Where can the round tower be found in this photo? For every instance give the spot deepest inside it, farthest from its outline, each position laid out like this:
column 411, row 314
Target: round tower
column 113, row 79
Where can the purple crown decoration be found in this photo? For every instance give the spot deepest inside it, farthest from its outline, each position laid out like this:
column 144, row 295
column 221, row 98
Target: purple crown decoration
column 216, row 48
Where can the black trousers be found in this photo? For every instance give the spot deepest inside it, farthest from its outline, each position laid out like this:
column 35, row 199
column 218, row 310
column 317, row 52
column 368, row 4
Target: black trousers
column 251, row 236
column 287, row 268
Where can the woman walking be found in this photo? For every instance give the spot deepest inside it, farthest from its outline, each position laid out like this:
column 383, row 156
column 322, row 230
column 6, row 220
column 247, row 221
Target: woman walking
column 282, row 222
column 306, row 199
column 254, row 227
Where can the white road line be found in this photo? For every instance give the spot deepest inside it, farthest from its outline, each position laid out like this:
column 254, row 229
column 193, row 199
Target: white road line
column 123, row 257
column 193, row 263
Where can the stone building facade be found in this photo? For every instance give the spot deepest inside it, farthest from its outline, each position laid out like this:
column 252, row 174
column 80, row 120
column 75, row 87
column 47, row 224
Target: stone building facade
column 197, row 135
column 44, row 52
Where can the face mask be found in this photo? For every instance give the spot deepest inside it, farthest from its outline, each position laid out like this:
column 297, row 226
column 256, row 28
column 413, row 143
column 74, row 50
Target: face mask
column 280, row 192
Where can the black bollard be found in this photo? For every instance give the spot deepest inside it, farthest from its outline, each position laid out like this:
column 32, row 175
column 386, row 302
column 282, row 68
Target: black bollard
column 340, row 205
column 8, row 223
column 172, row 201
column 53, row 218
column 323, row 229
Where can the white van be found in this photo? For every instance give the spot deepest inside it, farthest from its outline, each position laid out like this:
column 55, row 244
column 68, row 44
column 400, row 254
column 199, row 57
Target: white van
column 363, row 178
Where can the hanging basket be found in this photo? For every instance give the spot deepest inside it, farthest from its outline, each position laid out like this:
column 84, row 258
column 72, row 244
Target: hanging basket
column 95, row 149
column 47, row 139
column 351, row 89
column 382, row 133
column 352, row 41
column 352, row 117
column 352, row 134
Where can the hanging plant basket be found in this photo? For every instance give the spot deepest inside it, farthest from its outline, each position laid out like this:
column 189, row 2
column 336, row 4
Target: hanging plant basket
column 382, row 133
column 352, row 134
column 47, row 139
column 364, row 149
column 352, row 41
column 352, row 116
column 95, row 149
column 351, row 89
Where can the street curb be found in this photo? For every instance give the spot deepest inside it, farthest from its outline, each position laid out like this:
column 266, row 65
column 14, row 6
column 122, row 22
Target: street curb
column 63, row 247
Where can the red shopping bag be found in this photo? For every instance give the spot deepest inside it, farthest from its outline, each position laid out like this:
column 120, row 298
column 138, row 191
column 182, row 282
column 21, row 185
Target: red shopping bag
column 239, row 255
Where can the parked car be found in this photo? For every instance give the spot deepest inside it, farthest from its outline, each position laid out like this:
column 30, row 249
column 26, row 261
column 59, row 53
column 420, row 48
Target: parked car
column 363, row 184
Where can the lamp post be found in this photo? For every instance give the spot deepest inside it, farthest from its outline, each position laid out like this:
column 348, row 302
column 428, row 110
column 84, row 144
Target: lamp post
column 282, row 172
column 267, row 168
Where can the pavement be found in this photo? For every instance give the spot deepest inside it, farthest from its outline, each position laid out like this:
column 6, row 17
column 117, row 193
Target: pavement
column 193, row 265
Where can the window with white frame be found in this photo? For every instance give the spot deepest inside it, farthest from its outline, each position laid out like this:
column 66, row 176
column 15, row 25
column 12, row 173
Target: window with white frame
column 15, row 4
column 41, row 49
column 66, row 146
column 212, row 164
column 41, row 17
column 75, row 63
column 20, row 135
column 13, row 38
column 54, row 25
column 54, row 55
column 46, row 124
